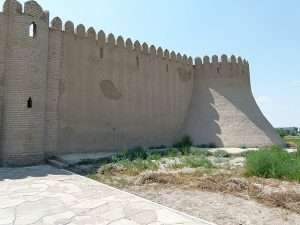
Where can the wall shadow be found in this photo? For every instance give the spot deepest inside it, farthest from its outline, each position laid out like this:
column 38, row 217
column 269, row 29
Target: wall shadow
column 242, row 99
column 18, row 173
column 201, row 120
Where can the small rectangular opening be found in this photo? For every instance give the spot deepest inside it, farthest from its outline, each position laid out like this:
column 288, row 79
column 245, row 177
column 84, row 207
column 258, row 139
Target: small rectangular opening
column 29, row 103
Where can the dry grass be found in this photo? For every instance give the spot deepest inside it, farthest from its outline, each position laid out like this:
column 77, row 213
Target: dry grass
column 247, row 188
column 197, row 172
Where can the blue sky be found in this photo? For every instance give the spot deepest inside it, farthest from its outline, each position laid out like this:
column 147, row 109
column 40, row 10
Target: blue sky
column 267, row 33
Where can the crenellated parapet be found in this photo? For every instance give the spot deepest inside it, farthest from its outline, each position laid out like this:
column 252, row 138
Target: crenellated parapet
column 110, row 40
column 223, row 60
column 223, row 66
column 31, row 8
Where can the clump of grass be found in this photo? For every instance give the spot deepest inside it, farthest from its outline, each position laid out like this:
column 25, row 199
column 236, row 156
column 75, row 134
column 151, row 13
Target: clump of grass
column 246, row 153
column 243, row 147
column 137, row 166
column 173, row 152
column 221, row 154
column 196, row 162
column 131, row 154
column 184, row 145
column 177, row 165
column 192, row 162
column 155, row 156
column 201, row 152
column 273, row 162
column 212, row 145
column 127, row 167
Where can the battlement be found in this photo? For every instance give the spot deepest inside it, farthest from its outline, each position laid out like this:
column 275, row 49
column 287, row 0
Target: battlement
column 110, row 40
column 215, row 60
column 223, row 67
column 31, row 8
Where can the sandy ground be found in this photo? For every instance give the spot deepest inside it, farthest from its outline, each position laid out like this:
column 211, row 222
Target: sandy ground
column 222, row 209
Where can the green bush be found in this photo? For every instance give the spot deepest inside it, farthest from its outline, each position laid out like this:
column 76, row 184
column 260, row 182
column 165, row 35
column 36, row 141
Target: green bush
column 212, row 145
column 131, row 154
column 195, row 162
column 154, row 156
column 172, row 152
column 243, row 147
column 184, row 145
column 273, row 162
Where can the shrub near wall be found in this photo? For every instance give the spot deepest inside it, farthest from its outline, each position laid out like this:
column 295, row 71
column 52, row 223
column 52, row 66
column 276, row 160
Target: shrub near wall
column 273, row 162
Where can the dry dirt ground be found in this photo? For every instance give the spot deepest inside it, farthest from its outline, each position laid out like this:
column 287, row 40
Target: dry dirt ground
column 221, row 195
column 218, row 207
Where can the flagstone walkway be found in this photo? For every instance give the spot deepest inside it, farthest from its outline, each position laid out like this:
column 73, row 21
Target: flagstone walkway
column 44, row 195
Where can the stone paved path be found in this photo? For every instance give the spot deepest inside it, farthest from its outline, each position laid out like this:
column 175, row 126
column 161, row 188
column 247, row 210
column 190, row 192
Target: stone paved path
column 44, row 195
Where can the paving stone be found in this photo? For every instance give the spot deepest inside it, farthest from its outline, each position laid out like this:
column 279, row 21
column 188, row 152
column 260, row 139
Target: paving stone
column 44, row 195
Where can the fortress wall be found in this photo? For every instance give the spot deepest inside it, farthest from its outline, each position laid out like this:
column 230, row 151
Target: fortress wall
column 2, row 71
column 114, row 94
column 223, row 110
column 55, row 56
column 26, row 69
column 95, row 93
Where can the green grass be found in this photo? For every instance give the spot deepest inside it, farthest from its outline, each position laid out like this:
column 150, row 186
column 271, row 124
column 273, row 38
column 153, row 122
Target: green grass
column 292, row 139
column 134, row 167
column 136, row 160
column 221, row 154
column 131, row 154
column 196, row 162
column 137, row 166
column 192, row 161
column 273, row 162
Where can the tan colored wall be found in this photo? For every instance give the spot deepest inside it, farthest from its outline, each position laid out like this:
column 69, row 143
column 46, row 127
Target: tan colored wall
column 2, row 71
column 100, row 94
column 25, row 76
column 112, row 103
column 223, row 110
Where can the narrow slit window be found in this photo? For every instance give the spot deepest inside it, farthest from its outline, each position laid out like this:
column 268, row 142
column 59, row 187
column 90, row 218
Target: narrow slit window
column 29, row 103
column 101, row 53
column 32, row 30
column 218, row 70
column 167, row 68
